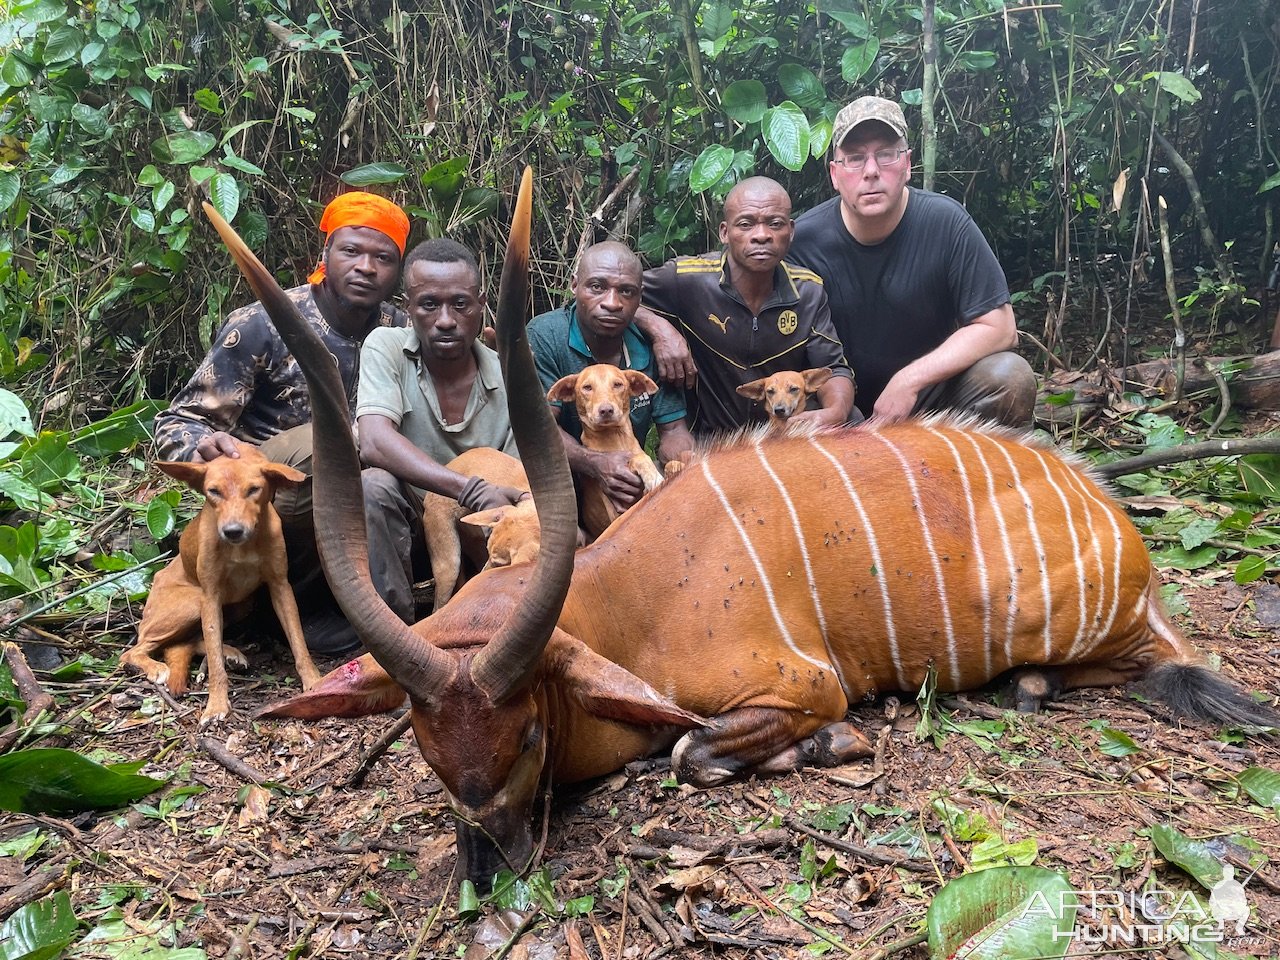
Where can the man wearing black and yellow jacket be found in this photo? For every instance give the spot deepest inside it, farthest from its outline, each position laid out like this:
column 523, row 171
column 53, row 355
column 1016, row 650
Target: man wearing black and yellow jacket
column 746, row 314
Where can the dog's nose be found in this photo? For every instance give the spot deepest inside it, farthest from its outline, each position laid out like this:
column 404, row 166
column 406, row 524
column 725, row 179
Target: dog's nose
column 234, row 533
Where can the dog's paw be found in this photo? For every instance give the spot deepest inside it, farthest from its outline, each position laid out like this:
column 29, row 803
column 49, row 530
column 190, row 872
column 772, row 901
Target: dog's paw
column 234, row 657
column 214, row 714
column 672, row 468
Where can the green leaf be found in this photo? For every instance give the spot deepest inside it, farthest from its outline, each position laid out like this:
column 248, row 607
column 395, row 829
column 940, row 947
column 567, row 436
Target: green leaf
column 10, row 187
column 118, row 431
column 91, row 121
column 14, row 417
column 160, row 518
column 224, row 194
column 468, row 901
column 1195, row 533
column 1181, row 559
column 161, row 195
column 51, row 780
column 1260, row 474
column 149, row 176
column 40, row 930
column 41, row 11
column 91, row 51
column 1005, row 913
column 144, row 220
column 1178, row 85
column 15, row 71
column 48, row 462
column 1191, row 855
column 710, row 167
column 745, row 101
column 994, row 851
column 141, row 939
column 1261, row 784
column 256, row 65
column 851, row 20
column 1117, row 743
column 801, row 85
column 63, row 44
column 976, row 60
column 444, row 179
column 142, row 95
column 858, row 59
column 1270, row 183
column 209, row 100
column 239, row 163
column 1249, row 569
column 183, row 148
column 301, row 113
column 371, row 173
column 786, row 134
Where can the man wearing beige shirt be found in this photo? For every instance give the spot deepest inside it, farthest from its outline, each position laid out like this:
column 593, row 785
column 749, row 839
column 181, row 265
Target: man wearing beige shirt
column 427, row 393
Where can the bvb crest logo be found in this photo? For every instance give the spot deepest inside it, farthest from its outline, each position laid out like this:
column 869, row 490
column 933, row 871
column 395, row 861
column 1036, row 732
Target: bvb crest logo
column 787, row 322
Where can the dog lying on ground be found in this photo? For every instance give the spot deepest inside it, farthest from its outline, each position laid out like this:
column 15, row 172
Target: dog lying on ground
column 451, row 538
column 602, row 396
column 784, row 394
column 232, row 547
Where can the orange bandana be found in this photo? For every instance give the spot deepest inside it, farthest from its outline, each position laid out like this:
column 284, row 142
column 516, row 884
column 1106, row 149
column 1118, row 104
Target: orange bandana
column 358, row 209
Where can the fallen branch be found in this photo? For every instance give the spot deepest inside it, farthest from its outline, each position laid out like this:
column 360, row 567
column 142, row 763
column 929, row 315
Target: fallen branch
column 381, row 746
column 37, row 700
column 1187, row 451
column 230, row 761
column 865, row 853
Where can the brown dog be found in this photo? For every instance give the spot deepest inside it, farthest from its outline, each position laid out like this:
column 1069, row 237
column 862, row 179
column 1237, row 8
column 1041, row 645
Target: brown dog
column 232, row 547
column 514, row 533
column 785, row 393
column 602, row 396
column 448, row 539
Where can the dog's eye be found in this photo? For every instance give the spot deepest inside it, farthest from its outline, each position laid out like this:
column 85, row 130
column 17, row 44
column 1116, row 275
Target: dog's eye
column 253, row 491
column 586, row 388
column 213, row 493
column 793, row 389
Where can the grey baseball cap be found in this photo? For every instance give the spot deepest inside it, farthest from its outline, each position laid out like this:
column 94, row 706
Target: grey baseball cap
column 864, row 109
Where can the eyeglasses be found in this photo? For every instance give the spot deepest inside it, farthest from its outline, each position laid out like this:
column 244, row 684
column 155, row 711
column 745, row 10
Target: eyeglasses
column 884, row 158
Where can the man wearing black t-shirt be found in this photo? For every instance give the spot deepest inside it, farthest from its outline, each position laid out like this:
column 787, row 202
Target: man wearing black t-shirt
column 917, row 296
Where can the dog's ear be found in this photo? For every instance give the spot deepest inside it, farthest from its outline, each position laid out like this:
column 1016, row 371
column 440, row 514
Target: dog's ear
column 815, row 378
column 562, row 391
column 192, row 474
column 487, row 518
column 639, row 383
column 753, row 390
column 282, row 475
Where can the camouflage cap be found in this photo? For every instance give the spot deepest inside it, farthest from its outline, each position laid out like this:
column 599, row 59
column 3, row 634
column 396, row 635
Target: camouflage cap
column 864, row 109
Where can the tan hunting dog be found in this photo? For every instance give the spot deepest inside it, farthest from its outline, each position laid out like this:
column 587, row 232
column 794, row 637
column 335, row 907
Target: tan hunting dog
column 232, row 547
column 765, row 588
column 601, row 393
column 451, row 537
column 784, row 394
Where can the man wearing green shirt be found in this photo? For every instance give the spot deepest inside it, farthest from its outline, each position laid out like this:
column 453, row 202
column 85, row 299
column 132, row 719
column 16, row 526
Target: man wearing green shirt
column 597, row 328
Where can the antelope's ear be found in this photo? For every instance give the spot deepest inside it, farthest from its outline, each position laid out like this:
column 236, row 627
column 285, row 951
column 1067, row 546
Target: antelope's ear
column 192, row 474
column 563, row 390
column 815, row 378
column 358, row 688
column 753, row 390
column 283, row 475
column 609, row 691
column 640, row 384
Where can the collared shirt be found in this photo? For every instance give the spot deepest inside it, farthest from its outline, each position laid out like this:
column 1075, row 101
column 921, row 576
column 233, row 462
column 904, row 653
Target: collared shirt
column 250, row 386
column 560, row 350
column 395, row 383
column 730, row 344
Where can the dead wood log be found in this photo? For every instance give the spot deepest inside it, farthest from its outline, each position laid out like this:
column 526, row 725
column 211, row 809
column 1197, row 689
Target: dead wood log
column 1254, row 384
column 1187, row 451
column 37, row 700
